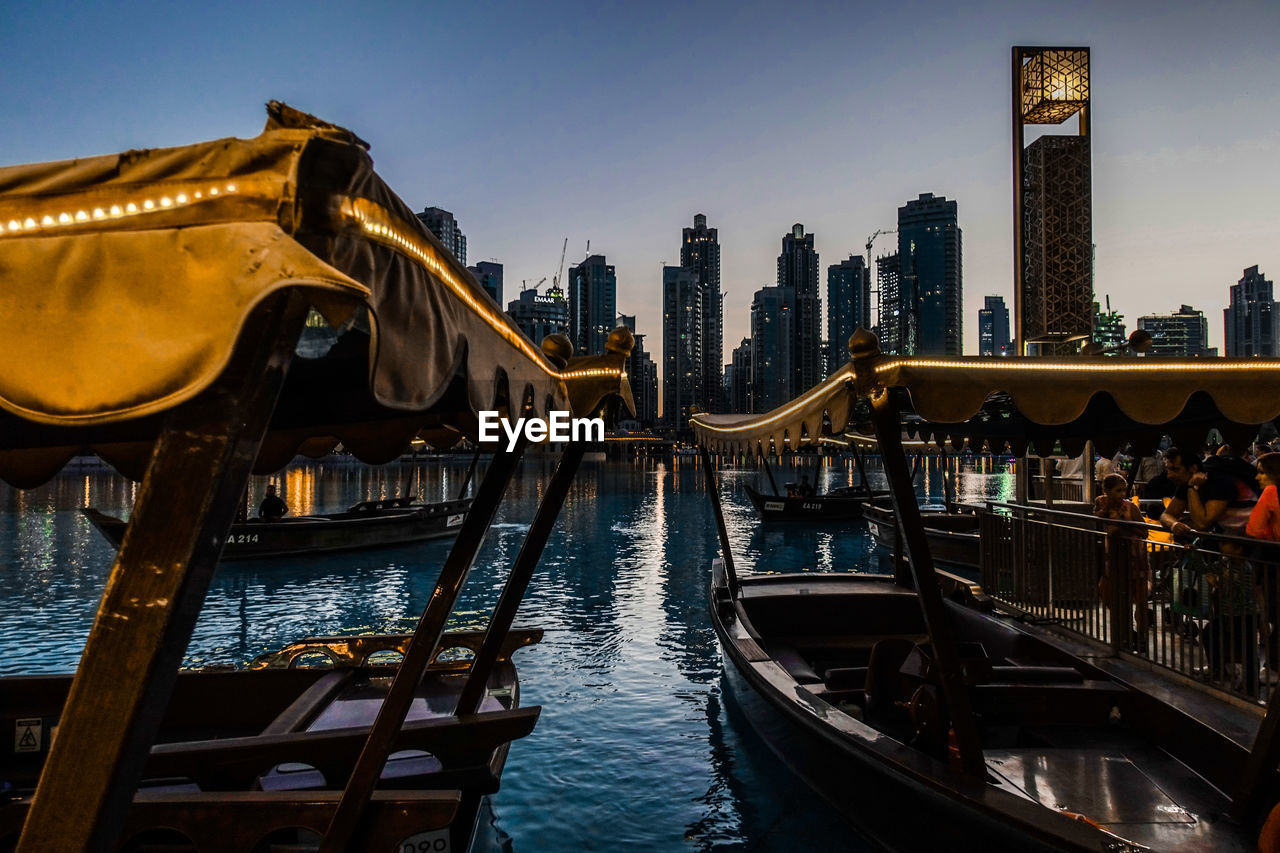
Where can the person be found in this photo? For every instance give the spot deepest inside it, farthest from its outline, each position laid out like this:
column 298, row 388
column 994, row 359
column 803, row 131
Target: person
column 1215, row 498
column 272, row 508
column 1217, row 501
column 1264, row 524
column 1127, row 543
column 806, row 488
column 1264, row 520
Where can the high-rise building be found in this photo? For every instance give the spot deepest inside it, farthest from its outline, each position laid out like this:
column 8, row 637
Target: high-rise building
column 593, row 304
column 739, row 376
column 442, row 224
column 1052, row 201
column 1180, row 334
column 1108, row 328
column 798, row 271
column 682, row 328
column 1252, row 320
column 848, row 307
column 539, row 315
column 700, row 252
column 896, row 329
column 489, row 274
column 930, row 289
column 773, row 333
column 993, row 327
column 642, row 374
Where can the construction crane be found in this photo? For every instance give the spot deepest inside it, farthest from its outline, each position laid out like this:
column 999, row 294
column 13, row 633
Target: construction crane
column 555, row 282
column 872, row 280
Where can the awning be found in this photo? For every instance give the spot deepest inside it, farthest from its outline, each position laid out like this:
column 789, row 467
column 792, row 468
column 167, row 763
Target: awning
column 128, row 279
column 1015, row 400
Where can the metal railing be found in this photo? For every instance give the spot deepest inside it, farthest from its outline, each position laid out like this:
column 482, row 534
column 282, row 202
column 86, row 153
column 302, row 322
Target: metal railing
column 1204, row 610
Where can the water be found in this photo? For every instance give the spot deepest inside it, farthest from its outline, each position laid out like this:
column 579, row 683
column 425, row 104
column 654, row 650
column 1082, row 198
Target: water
column 635, row 747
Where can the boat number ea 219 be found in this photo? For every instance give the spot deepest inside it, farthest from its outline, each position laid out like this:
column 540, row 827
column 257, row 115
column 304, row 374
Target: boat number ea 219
column 242, row 538
column 812, row 506
column 435, row 841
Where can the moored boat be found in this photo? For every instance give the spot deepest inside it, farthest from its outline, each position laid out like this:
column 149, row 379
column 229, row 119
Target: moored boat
column 837, row 505
column 952, row 536
column 369, row 524
column 197, row 267
column 908, row 696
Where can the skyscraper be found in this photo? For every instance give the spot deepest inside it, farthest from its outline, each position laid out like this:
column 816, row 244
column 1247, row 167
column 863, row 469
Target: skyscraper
column 773, row 333
column 682, row 328
column 798, row 272
column 1180, row 334
column 930, row 288
column 1052, row 200
column 1108, row 328
column 489, row 274
column 896, row 327
column 848, row 307
column 442, row 224
column 1251, row 319
column 539, row 315
column 993, row 327
column 593, row 304
column 642, row 374
column 739, row 398
column 700, row 252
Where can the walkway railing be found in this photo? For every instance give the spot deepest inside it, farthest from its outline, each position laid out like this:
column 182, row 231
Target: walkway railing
column 1203, row 610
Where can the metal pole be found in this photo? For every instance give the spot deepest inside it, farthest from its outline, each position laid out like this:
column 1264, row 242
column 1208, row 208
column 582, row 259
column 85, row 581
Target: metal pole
column 471, row 469
column 420, row 651
column 731, row 573
column 765, row 459
column 504, row 612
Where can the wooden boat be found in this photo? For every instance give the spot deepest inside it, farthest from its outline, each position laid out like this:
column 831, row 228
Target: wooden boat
column 837, row 505
column 368, row 524
column 952, row 536
column 196, row 268
column 925, row 717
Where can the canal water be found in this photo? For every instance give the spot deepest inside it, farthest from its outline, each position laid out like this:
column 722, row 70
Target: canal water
column 635, row 748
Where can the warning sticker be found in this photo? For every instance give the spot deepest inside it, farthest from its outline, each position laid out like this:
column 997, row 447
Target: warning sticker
column 27, row 735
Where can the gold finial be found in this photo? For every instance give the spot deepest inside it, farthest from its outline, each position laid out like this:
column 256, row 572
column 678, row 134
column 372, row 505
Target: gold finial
column 557, row 348
column 620, row 341
column 863, row 343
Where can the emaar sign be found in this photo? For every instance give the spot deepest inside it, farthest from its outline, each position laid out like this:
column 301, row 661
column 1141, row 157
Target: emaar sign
column 560, row 426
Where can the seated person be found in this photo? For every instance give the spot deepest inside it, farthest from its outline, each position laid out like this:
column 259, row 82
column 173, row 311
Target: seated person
column 272, row 508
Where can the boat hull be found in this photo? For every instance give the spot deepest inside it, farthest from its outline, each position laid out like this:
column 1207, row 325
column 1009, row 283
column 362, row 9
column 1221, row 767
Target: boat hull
column 813, row 508
column 953, row 538
column 374, row 524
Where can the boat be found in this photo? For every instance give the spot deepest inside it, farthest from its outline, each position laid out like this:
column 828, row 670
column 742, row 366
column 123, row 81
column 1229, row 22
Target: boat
column 836, row 505
column 369, row 524
column 952, row 535
column 197, row 268
column 927, row 716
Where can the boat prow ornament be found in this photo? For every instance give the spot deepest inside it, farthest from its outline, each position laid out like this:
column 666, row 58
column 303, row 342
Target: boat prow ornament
column 195, row 268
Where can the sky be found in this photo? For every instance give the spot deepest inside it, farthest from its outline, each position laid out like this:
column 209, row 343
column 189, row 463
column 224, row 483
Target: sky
column 615, row 123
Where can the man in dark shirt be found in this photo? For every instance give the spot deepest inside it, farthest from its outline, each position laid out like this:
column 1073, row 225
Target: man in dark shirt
column 1215, row 499
column 272, row 508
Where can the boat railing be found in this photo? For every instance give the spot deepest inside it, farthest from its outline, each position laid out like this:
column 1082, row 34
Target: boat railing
column 1201, row 608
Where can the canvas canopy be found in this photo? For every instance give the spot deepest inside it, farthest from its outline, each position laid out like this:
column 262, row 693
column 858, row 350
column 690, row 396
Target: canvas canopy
column 129, row 278
column 1020, row 402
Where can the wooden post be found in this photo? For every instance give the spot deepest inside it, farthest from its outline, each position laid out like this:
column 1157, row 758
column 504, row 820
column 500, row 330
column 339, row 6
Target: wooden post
column 192, row 489
column 731, row 573
column 504, row 612
column 471, row 470
column 862, row 468
column 764, row 457
column 420, row 651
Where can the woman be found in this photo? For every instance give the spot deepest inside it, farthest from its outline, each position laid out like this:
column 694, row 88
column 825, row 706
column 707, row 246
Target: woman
column 1264, row 524
column 1128, row 543
column 1264, row 521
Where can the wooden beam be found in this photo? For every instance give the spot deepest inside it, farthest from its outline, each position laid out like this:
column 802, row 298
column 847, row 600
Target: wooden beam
column 422, row 648
column 731, row 573
column 157, row 585
column 885, row 416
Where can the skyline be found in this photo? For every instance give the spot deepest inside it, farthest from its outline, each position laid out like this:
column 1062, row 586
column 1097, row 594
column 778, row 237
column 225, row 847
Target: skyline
column 618, row 125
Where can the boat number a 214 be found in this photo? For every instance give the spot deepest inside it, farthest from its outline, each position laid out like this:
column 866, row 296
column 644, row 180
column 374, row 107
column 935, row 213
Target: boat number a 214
column 242, row 538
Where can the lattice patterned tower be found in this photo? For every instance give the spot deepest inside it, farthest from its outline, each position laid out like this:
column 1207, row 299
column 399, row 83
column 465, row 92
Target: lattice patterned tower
column 1052, row 201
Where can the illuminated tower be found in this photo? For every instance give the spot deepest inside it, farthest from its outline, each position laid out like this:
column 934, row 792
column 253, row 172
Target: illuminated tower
column 1052, row 200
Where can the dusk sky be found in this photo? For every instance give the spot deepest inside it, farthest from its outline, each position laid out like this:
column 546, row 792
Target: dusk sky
column 616, row 123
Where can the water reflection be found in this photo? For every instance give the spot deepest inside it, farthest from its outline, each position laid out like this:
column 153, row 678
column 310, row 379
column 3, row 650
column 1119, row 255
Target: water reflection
column 635, row 747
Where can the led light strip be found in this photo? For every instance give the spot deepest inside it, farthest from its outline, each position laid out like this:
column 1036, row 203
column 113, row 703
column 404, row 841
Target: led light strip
column 1142, row 365
column 379, row 224
column 799, row 403
column 150, row 200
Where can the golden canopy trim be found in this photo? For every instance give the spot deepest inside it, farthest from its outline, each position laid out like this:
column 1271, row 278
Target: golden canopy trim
column 1049, row 392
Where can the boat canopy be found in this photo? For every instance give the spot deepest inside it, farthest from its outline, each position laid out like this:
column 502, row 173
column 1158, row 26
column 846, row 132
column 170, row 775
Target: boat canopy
column 130, row 280
column 1019, row 402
